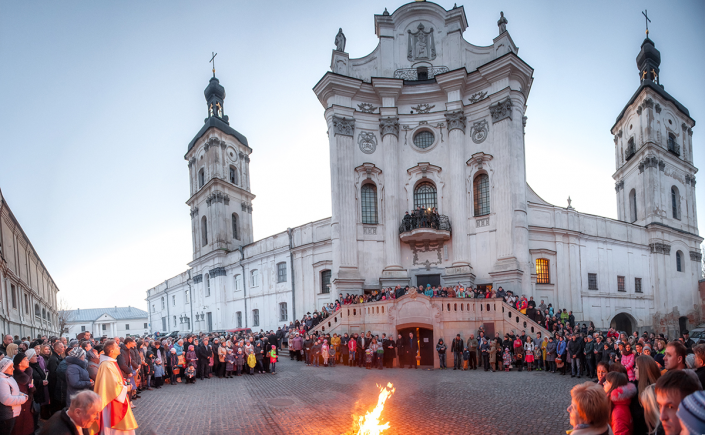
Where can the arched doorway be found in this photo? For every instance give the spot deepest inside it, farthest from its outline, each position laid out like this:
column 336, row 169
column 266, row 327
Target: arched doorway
column 624, row 322
column 424, row 337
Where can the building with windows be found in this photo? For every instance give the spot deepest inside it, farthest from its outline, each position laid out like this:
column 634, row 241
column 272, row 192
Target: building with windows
column 433, row 124
column 27, row 290
column 110, row 322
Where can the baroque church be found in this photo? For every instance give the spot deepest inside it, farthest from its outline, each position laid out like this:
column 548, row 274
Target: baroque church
column 430, row 120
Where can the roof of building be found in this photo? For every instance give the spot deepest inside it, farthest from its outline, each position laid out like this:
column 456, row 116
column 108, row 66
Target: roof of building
column 216, row 122
column 117, row 313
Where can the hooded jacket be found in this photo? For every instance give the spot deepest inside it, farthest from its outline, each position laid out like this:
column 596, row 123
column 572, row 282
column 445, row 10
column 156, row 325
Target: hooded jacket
column 77, row 378
column 621, row 419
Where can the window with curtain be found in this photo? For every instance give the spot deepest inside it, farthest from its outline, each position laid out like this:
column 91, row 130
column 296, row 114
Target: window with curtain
column 425, row 195
column 368, row 202
column 543, row 275
column 481, row 194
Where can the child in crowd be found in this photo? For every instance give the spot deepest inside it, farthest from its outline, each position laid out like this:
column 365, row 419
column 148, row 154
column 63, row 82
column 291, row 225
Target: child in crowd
column 239, row 361
column 368, row 359
column 507, row 359
column 331, row 353
column 229, row 363
column 158, row 373
column 191, row 373
column 251, row 362
column 325, row 352
column 273, row 359
column 466, row 358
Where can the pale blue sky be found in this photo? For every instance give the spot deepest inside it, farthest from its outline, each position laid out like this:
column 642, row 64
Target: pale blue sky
column 98, row 101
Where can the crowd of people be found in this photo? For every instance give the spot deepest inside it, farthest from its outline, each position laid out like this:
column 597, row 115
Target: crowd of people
column 421, row 218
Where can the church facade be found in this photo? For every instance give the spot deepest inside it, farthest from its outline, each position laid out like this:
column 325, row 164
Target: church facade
column 429, row 121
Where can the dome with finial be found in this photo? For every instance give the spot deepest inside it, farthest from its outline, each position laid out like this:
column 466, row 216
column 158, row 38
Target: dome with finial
column 214, row 89
column 649, row 57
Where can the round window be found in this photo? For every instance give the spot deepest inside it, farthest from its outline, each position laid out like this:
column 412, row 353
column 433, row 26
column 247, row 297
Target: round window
column 423, row 139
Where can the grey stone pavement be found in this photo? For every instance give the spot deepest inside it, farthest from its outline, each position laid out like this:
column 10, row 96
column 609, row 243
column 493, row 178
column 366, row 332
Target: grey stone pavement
column 309, row 400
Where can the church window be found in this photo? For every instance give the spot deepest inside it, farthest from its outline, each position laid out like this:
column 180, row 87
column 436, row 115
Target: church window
column 37, row 311
column 238, row 283
column 233, row 175
column 44, row 314
column 679, row 261
column 281, row 272
column 632, row 205
column 236, row 224
column 255, row 317
column 592, row 281
column 14, row 296
column 673, row 145
column 631, row 148
column 481, row 195
column 127, row 327
column 238, row 315
column 620, row 284
column 283, row 313
column 254, row 278
column 368, row 201
column 26, row 303
column 543, row 275
column 201, row 178
column 425, row 196
column 422, row 73
column 423, row 139
column 675, row 203
column 208, row 285
column 637, row 285
column 204, row 231
column 325, row 281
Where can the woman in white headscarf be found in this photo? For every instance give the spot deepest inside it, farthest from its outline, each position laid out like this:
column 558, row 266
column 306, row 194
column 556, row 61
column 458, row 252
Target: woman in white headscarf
column 11, row 398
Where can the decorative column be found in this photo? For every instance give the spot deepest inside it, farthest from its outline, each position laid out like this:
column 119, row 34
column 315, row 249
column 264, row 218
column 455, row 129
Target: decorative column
column 389, row 130
column 458, row 220
column 344, row 206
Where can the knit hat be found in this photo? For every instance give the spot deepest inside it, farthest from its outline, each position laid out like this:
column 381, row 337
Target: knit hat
column 692, row 412
column 77, row 352
column 30, row 353
column 4, row 364
column 18, row 358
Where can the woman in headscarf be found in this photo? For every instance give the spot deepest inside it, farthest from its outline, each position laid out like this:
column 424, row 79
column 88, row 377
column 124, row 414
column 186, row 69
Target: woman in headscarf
column 22, row 373
column 10, row 397
column 77, row 377
column 41, row 384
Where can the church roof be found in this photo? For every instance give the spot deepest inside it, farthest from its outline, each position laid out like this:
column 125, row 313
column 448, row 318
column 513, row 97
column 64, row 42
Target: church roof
column 659, row 90
column 117, row 313
column 216, row 122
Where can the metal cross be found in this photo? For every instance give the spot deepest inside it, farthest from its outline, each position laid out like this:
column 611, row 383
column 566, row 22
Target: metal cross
column 645, row 14
column 215, row 54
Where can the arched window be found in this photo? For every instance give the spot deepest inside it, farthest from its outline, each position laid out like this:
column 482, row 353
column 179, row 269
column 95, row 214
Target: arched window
column 675, row 203
column 679, row 261
column 425, row 195
column 632, row 205
column 37, row 310
column 208, row 285
column 543, row 275
column 368, row 201
column 233, row 175
column 44, row 313
column 201, row 178
column 481, row 194
column 204, row 231
column 236, row 230
column 49, row 317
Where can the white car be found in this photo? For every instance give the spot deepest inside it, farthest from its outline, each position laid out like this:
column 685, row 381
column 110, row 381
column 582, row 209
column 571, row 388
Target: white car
column 698, row 334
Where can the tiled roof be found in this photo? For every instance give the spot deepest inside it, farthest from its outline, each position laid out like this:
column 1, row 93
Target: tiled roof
column 118, row 313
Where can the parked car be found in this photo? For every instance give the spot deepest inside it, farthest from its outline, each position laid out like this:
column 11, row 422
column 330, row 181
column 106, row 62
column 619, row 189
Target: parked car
column 698, row 334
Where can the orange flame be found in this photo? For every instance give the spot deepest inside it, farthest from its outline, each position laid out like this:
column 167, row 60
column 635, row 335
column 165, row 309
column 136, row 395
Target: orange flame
column 369, row 423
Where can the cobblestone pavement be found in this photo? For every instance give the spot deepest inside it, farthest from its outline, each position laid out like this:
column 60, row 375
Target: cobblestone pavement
column 309, row 400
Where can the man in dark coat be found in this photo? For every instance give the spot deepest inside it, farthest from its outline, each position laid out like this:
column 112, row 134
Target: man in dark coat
column 84, row 411
column 203, row 352
column 575, row 350
column 411, row 347
column 389, row 351
column 52, row 366
column 456, row 346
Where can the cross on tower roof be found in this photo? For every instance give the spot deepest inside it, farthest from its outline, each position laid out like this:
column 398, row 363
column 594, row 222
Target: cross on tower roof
column 645, row 14
column 215, row 54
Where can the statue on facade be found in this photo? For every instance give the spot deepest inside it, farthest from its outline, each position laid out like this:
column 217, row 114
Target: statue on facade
column 340, row 41
column 502, row 23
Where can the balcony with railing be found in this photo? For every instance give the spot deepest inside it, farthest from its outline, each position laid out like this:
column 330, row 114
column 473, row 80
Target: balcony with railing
column 424, row 227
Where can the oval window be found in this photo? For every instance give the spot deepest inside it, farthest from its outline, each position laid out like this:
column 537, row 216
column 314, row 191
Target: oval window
column 423, row 139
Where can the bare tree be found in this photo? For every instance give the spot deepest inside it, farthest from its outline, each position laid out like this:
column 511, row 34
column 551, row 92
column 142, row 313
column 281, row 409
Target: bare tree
column 66, row 314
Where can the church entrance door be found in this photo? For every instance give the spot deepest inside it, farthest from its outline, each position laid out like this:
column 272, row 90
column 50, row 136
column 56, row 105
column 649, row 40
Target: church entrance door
column 424, row 337
column 423, row 280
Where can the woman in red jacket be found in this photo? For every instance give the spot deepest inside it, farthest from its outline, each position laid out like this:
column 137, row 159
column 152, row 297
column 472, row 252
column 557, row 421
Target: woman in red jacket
column 620, row 392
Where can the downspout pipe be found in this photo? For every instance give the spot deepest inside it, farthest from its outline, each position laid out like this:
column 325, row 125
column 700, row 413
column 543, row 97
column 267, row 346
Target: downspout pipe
column 244, row 280
column 290, row 232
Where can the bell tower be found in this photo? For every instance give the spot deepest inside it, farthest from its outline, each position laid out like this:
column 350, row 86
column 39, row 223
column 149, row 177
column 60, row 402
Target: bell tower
column 653, row 137
column 219, row 178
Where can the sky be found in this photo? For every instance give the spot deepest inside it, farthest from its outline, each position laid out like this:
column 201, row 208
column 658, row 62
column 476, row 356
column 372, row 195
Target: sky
column 99, row 100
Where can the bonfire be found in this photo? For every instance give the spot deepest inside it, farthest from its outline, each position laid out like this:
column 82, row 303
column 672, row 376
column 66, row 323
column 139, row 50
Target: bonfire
column 369, row 423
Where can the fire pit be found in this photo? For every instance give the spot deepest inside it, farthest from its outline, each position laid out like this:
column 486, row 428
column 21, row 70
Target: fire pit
column 369, row 423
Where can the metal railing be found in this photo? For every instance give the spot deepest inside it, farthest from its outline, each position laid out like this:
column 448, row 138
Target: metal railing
column 412, row 74
column 430, row 220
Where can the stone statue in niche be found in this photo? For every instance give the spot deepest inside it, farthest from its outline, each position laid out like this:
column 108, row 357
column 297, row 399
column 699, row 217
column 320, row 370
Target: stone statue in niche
column 421, row 44
column 340, row 40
